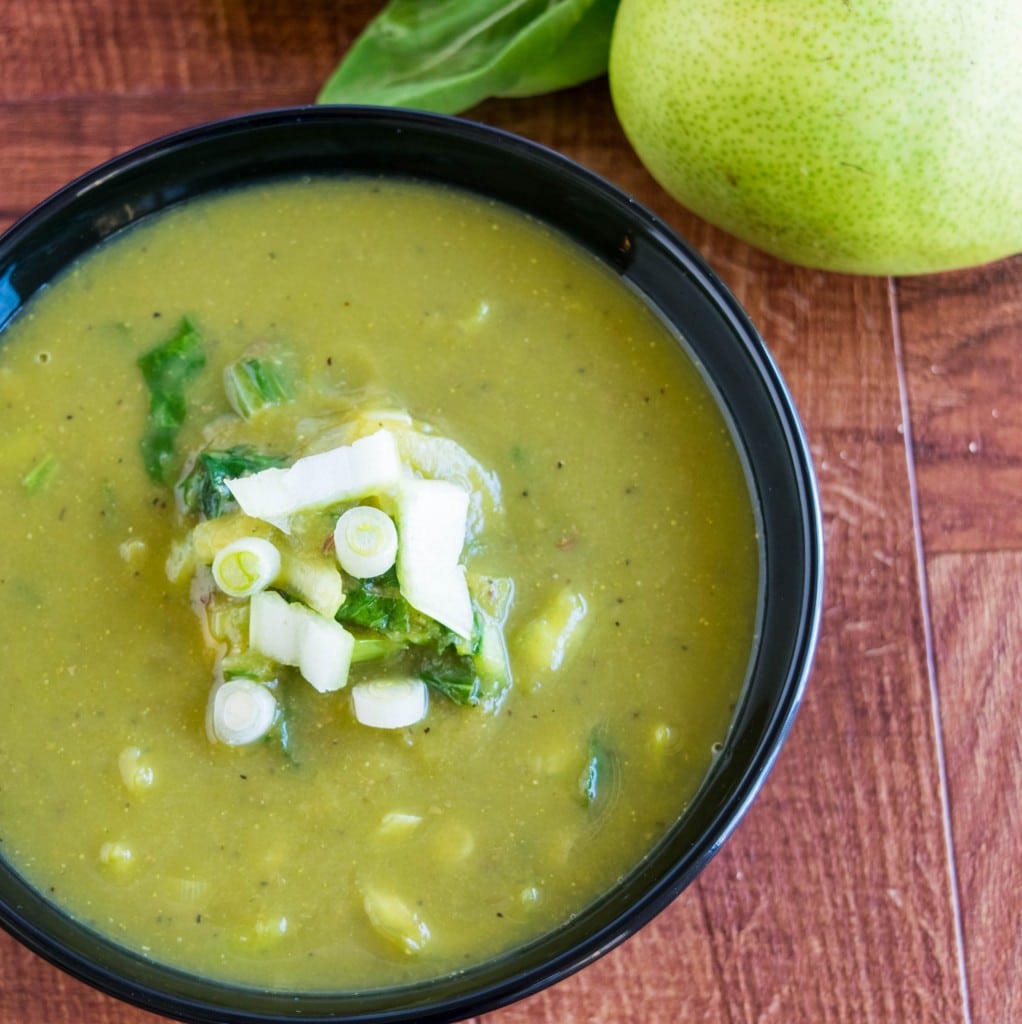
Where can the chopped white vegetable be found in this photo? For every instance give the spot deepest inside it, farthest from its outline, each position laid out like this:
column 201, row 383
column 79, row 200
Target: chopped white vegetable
column 273, row 627
column 390, row 703
column 324, row 651
column 549, row 640
column 242, row 711
column 315, row 583
column 365, row 542
column 295, row 635
column 493, row 664
column 452, row 844
column 136, row 771
column 370, row 466
column 431, row 517
column 395, row 921
column 441, row 458
column 246, row 566
column 116, row 855
column 398, row 825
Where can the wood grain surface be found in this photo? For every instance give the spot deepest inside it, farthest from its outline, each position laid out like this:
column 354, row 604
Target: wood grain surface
column 877, row 877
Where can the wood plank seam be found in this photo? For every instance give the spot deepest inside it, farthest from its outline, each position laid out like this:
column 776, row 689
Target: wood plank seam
column 931, row 661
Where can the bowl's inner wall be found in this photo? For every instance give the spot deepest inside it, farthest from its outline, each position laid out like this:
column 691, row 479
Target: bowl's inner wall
column 673, row 279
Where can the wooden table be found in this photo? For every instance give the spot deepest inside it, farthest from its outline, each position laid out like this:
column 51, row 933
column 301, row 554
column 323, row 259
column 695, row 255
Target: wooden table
column 877, row 877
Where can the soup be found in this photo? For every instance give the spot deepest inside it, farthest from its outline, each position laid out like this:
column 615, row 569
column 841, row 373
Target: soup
column 511, row 765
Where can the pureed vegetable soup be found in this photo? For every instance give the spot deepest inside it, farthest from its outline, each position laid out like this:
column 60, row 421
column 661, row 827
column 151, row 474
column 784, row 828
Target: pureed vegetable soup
column 227, row 747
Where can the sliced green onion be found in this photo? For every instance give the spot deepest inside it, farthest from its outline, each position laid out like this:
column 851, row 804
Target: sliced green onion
column 242, row 711
column 432, row 516
column 390, row 703
column 246, row 566
column 365, row 542
column 370, row 466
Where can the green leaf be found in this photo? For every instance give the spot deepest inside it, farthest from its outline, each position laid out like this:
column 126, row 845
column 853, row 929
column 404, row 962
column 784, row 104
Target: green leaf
column 167, row 370
column 255, row 384
column 204, row 490
column 377, row 604
column 583, row 54
column 452, row 676
column 449, row 55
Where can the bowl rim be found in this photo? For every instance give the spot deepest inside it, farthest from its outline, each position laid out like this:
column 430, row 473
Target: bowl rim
column 655, row 241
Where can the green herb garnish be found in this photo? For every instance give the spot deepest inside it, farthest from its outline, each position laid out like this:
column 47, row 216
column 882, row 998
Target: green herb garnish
column 168, row 369
column 377, row 604
column 453, row 676
column 204, row 490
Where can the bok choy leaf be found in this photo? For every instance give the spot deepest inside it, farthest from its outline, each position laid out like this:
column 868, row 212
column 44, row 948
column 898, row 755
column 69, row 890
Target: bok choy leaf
column 168, row 369
column 204, row 491
column 449, row 55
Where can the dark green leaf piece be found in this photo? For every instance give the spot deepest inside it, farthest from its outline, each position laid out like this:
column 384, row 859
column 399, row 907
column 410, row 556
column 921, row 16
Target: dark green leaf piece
column 449, row 55
column 204, row 490
column 453, row 676
column 167, row 370
column 376, row 604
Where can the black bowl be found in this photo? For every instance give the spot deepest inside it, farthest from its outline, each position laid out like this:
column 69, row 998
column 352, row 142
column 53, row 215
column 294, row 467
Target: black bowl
column 719, row 336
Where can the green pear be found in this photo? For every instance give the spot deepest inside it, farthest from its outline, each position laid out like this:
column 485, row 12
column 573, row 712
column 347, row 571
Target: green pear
column 866, row 136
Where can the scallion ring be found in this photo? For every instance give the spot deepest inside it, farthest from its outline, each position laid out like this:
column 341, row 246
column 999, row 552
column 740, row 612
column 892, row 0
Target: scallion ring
column 365, row 541
column 246, row 566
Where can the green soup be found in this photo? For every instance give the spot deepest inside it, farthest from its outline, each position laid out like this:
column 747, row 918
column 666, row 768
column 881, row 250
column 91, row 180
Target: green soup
column 331, row 854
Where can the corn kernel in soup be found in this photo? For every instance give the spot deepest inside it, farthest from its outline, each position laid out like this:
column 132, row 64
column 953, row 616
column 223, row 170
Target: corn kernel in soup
column 232, row 750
